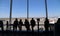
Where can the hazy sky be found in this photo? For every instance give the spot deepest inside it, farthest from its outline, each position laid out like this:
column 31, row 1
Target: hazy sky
column 36, row 8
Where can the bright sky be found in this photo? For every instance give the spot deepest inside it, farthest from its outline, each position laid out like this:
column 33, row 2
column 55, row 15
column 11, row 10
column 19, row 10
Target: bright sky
column 36, row 8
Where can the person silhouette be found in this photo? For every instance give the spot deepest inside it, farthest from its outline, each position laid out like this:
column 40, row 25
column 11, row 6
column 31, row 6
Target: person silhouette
column 20, row 24
column 27, row 24
column 32, row 24
column 58, row 21
column 46, row 24
column 1, row 24
column 7, row 25
column 57, row 27
column 15, row 24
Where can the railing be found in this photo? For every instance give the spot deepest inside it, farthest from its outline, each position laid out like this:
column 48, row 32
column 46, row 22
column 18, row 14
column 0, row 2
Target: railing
column 11, row 25
column 26, row 33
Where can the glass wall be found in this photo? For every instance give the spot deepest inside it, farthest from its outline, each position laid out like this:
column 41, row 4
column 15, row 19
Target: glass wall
column 19, row 8
column 36, row 9
column 53, row 8
column 4, row 8
column 4, row 11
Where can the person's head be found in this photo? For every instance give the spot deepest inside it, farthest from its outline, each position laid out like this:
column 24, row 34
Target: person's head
column 58, row 20
column 25, row 19
column 20, row 19
column 32, row 18
column 7, row 21
column 16, row 19
column 0, row 21
column 38, row 19
column 46, row 19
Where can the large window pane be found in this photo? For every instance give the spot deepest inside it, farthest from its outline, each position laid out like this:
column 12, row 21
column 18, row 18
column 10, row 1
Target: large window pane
column 37, row 8
column 4, row 11
column 53, row 8
column 4, row 8
column 19, row 8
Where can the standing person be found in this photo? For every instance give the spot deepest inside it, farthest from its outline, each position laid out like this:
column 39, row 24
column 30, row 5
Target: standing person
column 46, row 24
column 27, row 24
column 15, row 24
column 57, row 27
column 7, row 25
column 33, row 23
column 20, row 24
column 1, row 24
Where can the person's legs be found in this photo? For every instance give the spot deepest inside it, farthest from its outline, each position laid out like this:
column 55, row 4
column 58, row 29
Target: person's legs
column 2, row 28
column 20, row 27
column 47, row 31
column 16, row 27
column 28, row 28
column 32, row 29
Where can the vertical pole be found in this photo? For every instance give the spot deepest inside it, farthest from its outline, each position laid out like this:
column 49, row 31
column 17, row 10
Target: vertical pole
column 38, row 25
column 27, row 9
column 46, row 8
column 10, row 12
column 46, row 21
column 38, row 28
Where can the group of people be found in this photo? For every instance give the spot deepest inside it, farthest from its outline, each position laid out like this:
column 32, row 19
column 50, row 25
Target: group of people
column 26, row 24
column 19, row 24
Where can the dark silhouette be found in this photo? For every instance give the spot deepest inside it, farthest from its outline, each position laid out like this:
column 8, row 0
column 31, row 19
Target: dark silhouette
column 15, row 24
column 1, row 24
column 38, row 19
column 20, row 24
column 32, row 23
column 7, row 25
column 27, row 24
column 46, row 24
column 57, row 27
